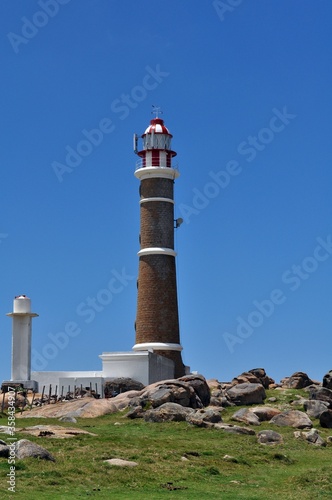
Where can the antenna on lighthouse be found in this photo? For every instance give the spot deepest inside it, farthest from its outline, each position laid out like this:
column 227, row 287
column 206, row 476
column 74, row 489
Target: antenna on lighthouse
column 135, row 139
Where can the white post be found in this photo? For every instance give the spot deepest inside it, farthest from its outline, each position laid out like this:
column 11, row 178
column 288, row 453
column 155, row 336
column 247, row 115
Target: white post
column 21, row 339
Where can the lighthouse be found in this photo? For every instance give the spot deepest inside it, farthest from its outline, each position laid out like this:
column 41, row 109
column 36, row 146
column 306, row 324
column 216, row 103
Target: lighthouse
column 157, row 318
column 21, row 341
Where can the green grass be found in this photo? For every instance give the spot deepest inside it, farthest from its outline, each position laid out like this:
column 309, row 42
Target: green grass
column 294, row 470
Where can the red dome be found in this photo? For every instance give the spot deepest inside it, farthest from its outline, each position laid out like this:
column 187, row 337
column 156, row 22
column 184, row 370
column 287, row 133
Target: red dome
column 157, row 127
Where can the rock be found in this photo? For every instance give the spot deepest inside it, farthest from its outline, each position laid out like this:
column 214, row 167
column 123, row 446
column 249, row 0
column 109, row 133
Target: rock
column 200, row 386
column 3, row 442
column 246, row 394
column 119, row 385
column 327, row 380
column 246, row 416
column 4, row 451
column 269, row 437
column 245, row 377
column 299, row 380
column 203, row 417
column 229, row 458
column 321, row 394
column 292, row 418
column 213, row 384
column 172, row 391
column 83, row 407
column 265, row 413
column 136, row 412
column 263, row 378
column 25, row 449
column 68, row 418
column 234, row 429
column 120, row 463
column 325, row 419
column 314, row 408
column 313, row 437
column 56, row 431
column 167, row 412
column 5, row 429
column 20, row 400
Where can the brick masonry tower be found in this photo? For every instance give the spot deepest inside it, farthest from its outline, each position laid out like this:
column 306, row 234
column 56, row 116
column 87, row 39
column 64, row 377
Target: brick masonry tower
column 157, row 319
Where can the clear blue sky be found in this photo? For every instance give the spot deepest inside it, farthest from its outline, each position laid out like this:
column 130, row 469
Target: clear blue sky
column 246, row 92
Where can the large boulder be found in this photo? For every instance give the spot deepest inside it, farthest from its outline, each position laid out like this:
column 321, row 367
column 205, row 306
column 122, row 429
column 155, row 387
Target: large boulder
column 269, row 437
column 298, row 380
column 118, row 385
column 265, row 413
column 25, row 449
column 262, row 377
column 325, row 419
column 204, row 417
column 234, row 429
column 247, row 416
column 292, row 418
column 4, row 451
column 171, row 391
column 320, row 394
column 167, row 412
column 315, row 407
column 245, row 377
column 254, row 376
column 246, row 394
column 200, row 386
column 314, row 438
column 327, row 380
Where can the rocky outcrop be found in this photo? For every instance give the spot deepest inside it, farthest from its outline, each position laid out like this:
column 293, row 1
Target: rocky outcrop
column 254, row 376
column 265, row 413
column 167, row 412
column 320, row 394
column 118, row 385
column 327, row 380
column 4, row 450
column 234, row 429
column 247, row 416
column 200, row 386
column 311, row 436
column 119, row 462
column 269, row 437
column 325, row 419
column 246, row 394
column 204, row 417
column 314, row 407
column 298, row 380
column 25, row 449
column 292, row 418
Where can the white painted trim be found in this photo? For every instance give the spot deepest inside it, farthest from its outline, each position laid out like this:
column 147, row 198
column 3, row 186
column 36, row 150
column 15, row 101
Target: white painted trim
column 150, row 172
column 157, row 198
column 157, row 251
column 157, row 346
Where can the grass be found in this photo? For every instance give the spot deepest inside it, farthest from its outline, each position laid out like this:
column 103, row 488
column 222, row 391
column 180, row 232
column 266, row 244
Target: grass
column 294, row 470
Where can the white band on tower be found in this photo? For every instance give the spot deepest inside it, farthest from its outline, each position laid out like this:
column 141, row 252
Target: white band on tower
column 157, row 346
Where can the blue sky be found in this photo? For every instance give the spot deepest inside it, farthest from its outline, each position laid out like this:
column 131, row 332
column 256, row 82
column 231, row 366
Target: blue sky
column 245, row 88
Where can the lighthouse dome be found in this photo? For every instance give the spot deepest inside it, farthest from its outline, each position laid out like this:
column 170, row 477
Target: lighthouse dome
column 157, row 127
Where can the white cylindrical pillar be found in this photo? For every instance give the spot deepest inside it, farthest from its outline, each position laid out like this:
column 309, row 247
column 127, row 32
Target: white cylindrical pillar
column 21, row 339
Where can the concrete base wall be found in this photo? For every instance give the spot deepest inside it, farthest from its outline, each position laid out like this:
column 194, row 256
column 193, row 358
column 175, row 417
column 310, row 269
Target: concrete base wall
column 144, row 366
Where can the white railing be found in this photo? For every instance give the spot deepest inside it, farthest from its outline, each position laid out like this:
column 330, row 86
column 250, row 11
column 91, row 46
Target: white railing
column 143, row 163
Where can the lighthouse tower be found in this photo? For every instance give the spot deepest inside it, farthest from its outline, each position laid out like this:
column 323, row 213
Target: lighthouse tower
column 21, row 342
column 157, row 320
